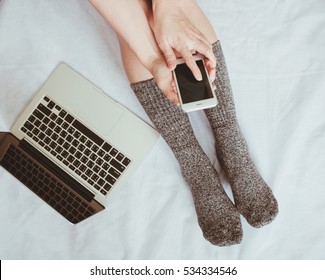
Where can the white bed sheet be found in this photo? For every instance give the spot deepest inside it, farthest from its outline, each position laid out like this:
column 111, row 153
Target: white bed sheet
column 276, row 60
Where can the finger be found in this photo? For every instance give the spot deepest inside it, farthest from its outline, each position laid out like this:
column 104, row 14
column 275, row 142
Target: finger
column 214, row 87
column 169, row 55
column 169, row 90
column 206, row 50
column 211, row 70
column 203, row 45
column 172, row 95
column 190, row 62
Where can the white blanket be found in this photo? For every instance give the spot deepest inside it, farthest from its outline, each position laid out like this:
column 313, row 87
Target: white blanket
column 275, row 51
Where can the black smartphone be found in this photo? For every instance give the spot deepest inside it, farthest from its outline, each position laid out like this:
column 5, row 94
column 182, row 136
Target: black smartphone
column 194, row 94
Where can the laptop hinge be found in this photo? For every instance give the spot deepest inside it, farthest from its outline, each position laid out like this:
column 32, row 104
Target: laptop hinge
column 57, row 171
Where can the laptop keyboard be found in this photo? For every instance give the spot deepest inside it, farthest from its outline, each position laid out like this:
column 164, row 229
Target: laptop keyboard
column 77, row 147
column 46, row 186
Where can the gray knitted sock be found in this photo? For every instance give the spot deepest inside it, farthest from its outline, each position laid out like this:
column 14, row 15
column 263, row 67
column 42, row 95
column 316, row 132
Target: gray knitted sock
column 253, row 197
column 217, row 216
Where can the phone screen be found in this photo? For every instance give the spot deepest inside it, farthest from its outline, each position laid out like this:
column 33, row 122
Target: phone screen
column 190, row 89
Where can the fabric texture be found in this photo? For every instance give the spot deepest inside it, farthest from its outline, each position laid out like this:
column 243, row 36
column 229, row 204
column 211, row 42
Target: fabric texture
column 253, row 197
column 217, row 216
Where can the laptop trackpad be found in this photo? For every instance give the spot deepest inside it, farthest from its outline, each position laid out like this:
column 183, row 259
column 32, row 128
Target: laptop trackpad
column 100, row 113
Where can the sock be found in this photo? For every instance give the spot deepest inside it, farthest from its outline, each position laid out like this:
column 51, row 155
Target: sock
column 252, row 196
column 217, row 216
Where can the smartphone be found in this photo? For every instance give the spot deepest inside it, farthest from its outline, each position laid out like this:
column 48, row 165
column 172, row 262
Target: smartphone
column 194, row 94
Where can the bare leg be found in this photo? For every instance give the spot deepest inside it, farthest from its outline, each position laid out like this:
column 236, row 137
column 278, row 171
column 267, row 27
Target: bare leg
column 134, row 70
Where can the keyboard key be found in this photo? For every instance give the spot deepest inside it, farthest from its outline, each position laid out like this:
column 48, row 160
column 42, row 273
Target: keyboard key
column 99, row 161
column 107, row 147
column 46, row 120
column 69, row 138
column 107, row 157
column 119, row 157
column 117, row 165
column 23, row 129
column 113, row 152
column 76, row 134
column 31, row 118
column 63, row 133
column 110, row 179
column 38, row 114
column 101, row 182
column 87, row 152
column 53, row 117
column 70, row 158
column 106, row 166
column 62, row 113
column 43, row 109
column 81, row 147
column 59, row 121
column 94, row 148
column 89, row 144
column 28, row 126
column 83, row 139
column 37, row 123
column 51, row 104
column 65, row 125
column 126, row 161
column 84, row 159
column 103, row 192
column 114, row 172
column 52, row 124
column 71, row 130
column 87, row 132
column 107, row 187
column 93, row 156
column 69, row 118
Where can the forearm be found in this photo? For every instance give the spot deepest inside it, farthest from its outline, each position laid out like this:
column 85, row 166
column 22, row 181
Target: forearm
column 184, row 4
column 129, row 21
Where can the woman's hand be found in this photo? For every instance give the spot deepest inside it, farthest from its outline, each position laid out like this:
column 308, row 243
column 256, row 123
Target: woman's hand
column 164, row 79
column 176, row 35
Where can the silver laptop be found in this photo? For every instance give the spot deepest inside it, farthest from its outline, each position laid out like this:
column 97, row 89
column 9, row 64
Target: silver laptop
column 73, row 145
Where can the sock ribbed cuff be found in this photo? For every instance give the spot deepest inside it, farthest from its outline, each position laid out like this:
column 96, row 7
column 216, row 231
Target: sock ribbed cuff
column 224, row 113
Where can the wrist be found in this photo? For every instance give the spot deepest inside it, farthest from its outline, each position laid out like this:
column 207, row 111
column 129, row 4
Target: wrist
column 152, row 61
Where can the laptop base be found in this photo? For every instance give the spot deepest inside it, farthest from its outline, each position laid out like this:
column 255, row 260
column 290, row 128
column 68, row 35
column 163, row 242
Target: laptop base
column 48, row 186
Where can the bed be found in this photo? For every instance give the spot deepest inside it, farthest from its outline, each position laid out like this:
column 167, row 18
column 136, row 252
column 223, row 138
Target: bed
column 276, row 61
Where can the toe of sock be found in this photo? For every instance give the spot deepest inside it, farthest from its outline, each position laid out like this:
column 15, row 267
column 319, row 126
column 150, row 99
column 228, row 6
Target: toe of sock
column 262, row 212
column 225, row 233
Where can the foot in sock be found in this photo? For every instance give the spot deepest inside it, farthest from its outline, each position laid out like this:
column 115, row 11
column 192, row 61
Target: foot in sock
column 217, row 216
column 253, row 197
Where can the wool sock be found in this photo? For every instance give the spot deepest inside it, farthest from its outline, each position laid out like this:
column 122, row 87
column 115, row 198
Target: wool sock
column 217, row 216
column 252, row 196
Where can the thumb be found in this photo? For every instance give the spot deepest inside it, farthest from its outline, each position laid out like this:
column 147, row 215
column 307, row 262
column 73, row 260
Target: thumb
column 169, row 56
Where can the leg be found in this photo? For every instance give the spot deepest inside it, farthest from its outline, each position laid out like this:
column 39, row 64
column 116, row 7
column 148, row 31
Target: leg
column 217, row 216
column 253, row 197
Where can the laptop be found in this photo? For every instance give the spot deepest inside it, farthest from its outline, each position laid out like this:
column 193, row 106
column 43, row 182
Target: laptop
column 73, row 145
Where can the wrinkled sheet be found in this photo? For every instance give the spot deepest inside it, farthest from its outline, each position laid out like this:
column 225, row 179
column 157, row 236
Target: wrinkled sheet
column 276, row 61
